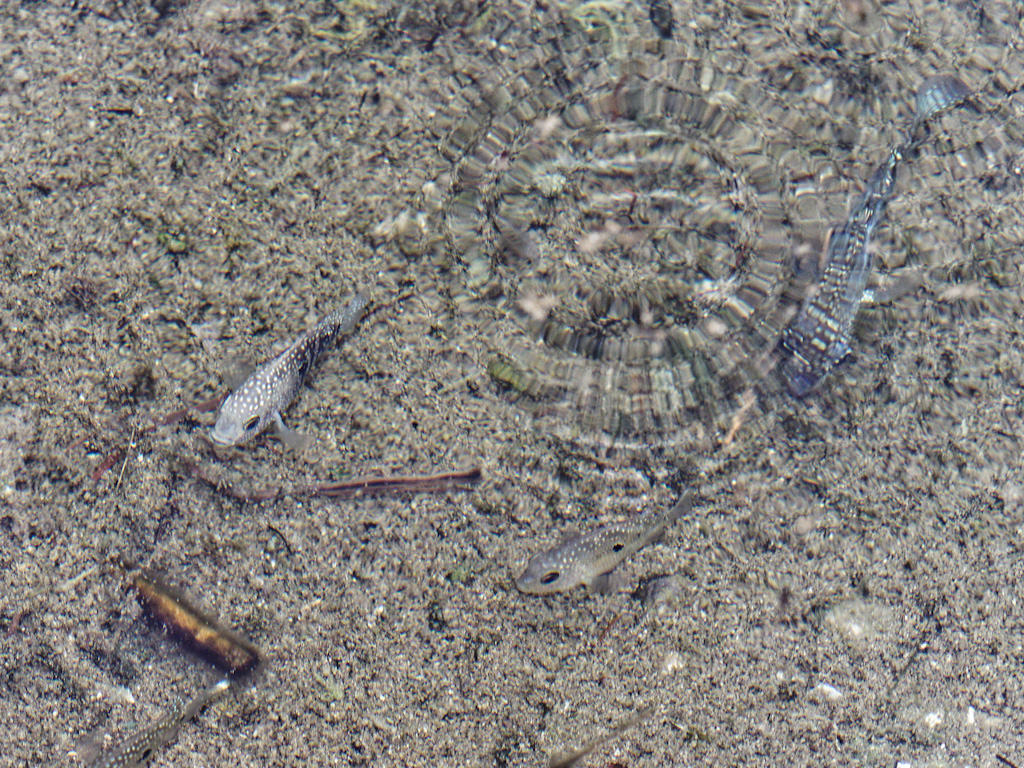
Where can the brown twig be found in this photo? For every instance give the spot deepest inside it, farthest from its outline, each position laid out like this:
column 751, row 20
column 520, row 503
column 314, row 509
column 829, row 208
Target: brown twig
column 569, row 759
column 16, row 621
column 179, row 415
column 364, row 486
column 608, row 628
column 380, row 486
column 108, row 461
column 124, row 465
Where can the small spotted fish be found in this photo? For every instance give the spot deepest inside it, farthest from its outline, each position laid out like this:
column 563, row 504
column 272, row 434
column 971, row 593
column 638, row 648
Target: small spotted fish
column 820, row 335
column 589, row 558
column 258, row 402
column 138, row 748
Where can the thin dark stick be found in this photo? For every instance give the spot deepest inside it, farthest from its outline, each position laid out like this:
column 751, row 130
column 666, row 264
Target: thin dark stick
column 378, row 486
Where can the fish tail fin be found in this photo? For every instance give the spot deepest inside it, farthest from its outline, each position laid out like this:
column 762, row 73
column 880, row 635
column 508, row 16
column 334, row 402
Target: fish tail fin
column 682, row 507
column 347, row 318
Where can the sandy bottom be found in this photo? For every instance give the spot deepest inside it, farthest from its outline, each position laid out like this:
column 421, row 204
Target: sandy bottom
column 187, row 185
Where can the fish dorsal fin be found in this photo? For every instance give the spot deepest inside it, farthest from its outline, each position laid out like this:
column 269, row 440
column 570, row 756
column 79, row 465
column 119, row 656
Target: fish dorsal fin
column 236, row 371
column 683, row 506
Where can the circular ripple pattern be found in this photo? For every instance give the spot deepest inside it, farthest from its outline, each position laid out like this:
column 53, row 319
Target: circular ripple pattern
column 635, row 240
column 635, row 237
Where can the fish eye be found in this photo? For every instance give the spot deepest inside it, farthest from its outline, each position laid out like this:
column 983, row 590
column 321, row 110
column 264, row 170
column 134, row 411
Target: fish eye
column 251, row 424
column 549, row 578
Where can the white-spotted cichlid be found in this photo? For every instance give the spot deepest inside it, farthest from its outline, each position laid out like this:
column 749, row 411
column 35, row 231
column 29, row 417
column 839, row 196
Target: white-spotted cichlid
column 137, row 749
column 258, row 402
column 587, row 559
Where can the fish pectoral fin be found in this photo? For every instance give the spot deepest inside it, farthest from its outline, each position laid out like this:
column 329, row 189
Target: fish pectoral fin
column 236, row 372
column 297, row 441
column 606, row 583
column 900, row 285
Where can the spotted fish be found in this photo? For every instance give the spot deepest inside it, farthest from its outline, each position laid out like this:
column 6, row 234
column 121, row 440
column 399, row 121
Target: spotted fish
column 138, row 748
column 819, row 336
column 589, row 558
column 258, row 402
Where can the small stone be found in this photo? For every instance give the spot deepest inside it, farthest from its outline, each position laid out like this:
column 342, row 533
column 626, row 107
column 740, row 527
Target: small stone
column 827, row 692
